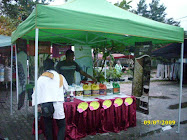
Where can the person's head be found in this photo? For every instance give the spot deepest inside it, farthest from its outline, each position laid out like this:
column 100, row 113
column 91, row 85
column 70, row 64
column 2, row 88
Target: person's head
column 48, row 64
column 69, row 55
column 118, row 62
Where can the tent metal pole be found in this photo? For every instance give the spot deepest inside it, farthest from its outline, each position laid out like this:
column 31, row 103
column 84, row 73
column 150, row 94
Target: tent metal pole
column 11, row 80
column 36, row 77
column 105, row 69
column 109, row 38
column 61, row 35
column 93, row 39
column 17, row 80
column 97, row 41
column 181, row 79
column 86, row 38
column 105, row 64
column 27, row 100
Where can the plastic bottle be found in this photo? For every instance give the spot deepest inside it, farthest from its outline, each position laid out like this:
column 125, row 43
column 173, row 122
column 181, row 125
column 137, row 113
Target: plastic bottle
column 79, row 91
column 71, row 96
column 116, row 88
column 95, row 89
column 65, row 97
column 70, row 89
column 109, row 87
column 87, row 90
column 102, row 89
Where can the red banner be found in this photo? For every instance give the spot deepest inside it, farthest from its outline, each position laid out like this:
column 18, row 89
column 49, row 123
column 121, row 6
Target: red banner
column 59, row 50
column 43, row 48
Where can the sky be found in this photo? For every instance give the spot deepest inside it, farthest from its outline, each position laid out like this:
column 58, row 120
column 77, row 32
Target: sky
column 176, row 9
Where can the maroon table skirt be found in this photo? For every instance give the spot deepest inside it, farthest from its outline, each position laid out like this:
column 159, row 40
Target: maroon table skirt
column 78, row 125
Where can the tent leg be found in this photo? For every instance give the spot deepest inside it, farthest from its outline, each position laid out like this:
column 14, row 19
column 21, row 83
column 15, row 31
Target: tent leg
column 105, row 64
column 105, row 69
column 36, row 77
column 11, row 80
column 17, row 80
column 27, row 99
column 181, row 79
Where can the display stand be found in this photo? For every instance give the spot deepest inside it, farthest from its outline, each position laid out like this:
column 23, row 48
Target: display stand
column 141, row 81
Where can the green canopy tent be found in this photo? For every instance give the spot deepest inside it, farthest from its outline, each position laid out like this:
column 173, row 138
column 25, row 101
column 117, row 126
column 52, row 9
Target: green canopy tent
column 5, row 41
column 91, row 22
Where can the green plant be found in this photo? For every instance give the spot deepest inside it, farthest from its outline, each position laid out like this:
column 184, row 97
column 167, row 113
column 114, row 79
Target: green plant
column 100, row 78
column 98, row 73
column 128, row 72
column 111, row 73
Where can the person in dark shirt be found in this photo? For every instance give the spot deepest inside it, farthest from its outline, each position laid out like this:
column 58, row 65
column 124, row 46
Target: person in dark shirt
column 69, row 66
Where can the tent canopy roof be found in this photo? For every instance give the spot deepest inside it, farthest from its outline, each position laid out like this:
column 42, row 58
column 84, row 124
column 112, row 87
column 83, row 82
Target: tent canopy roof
column 5, row 41
column 91, row 22
column 171, row 51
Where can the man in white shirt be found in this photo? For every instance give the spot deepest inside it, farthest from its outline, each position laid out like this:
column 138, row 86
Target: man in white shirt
column 50, row 88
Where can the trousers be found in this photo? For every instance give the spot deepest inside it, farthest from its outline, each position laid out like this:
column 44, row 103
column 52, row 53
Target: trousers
column 48, row 123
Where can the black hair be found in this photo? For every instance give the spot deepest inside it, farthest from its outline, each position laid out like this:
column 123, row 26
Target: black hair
column 68, row 52
column 48, row 64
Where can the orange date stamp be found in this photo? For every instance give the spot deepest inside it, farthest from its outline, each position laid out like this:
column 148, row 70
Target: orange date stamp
column 159, row 122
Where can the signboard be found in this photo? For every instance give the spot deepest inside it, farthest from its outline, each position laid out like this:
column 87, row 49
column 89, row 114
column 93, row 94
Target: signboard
column 59, row 50
column 118, row 102
column 107, row 104
column 22, row 71
column 22, row 77
column 141, row 80
column 82, row 107
column 83, row 57
column 94, row 105
column 43, row 48
column 128, row 101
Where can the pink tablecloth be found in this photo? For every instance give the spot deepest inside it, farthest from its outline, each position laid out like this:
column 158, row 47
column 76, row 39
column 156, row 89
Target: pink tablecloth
column 78, row 125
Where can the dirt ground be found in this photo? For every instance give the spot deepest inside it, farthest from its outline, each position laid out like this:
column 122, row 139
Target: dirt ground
column 163, row 105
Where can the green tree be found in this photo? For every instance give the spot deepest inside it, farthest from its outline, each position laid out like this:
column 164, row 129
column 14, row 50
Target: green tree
column 142, row 9
column 171, row 21
column 7, row 25
column 155, row 11
column 13, row 12
column 19, row 9
column 124, row 4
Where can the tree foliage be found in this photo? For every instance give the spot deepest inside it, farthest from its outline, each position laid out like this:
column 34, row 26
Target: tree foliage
column 142, row 9
column 7, row 25
column 155, row 11
column 124, row 4
column 19, row 9
column 13, row 12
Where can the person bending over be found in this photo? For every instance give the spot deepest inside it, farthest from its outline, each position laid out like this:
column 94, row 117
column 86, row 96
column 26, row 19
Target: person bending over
column 50, row 90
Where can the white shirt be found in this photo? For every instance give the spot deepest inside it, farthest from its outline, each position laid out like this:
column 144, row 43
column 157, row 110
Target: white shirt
column 48, row 90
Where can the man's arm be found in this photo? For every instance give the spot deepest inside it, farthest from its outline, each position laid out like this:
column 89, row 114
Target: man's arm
column 78, row 69
column 87, row 75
